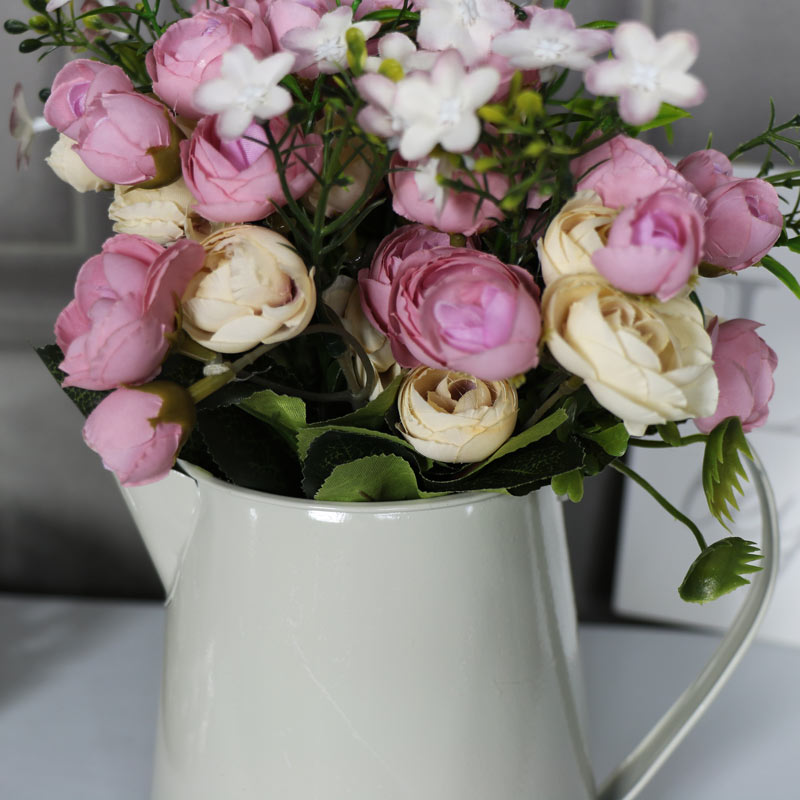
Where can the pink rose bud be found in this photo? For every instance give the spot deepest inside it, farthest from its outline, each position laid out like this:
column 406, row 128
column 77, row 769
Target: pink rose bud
column 256, row 7
column 706, row 169
column 73, row 90
column 375, row 283
column 418, row 196
column 128, row 138
column 624, row 170
column 743, row 363
column 190, row 52
column 742, row 223
column 654, row 246
column 286, row 15
column 115, row 330
column 138, row 432
column 237, row 181
column 466, row 311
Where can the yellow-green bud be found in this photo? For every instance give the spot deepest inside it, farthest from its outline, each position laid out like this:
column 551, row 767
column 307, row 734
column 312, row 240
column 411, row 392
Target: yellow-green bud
column 392, row 69
column 494, row 113
column 39, row 23
column 529, row 104
column 356, row 50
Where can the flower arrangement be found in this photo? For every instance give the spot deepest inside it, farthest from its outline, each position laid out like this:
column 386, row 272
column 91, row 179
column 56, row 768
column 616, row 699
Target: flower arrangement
column 380, row 250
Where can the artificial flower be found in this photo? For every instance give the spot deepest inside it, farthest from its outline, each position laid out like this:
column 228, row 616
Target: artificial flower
column 706, row 169
column 551, row 40
column 23, row 127
column 647, row 363
column 455, row 417
column 398, row 48
column 253, row 288
column 69, row 166
column 743, row 363
column 245, row 89
column 647, row 72
column 160, row 215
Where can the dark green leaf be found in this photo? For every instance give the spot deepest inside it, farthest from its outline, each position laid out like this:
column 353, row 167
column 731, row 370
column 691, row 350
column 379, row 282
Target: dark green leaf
column 333, row 447
column 373, row 414
column 30, row 45
column 287, row 415
column 85, row 399
column 670, row 434
column 569, row 483
column 722, row 467
column 782, row 274
column 544, row 427
column 718, row 570
column 249, row 453
column 15, row 26
column 307, row 436
column 378, row 478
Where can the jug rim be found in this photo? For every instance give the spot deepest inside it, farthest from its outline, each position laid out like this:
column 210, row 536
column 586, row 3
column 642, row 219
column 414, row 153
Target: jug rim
column 201, row 475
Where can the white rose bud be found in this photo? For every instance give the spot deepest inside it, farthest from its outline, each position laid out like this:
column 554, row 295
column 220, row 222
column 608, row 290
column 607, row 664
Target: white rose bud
column 344, row 298
column 253, row 288
column 68, row 165
column 455, row 417
column 157, row 214
column 580, row 228
column 645, row 361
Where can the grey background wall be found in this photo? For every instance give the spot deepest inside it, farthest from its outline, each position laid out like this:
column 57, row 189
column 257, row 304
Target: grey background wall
column 63, row 528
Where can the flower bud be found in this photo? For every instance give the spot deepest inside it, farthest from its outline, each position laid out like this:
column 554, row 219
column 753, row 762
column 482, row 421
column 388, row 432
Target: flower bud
column 455, row 417
column 157, row 214
column 67, row 164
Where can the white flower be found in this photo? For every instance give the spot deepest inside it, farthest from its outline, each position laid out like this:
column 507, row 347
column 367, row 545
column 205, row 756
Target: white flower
column 647, row 71
column 426, row 176
column 551, row 40
column 69, row 166
column 439, row 107
column 23, row 127
column 398, row 47
column 157, row 214
column 56, row 4
column 325, row 46
column 455, row 417
column 378, row 117
column 646, row 362
column 245, row 88
column 464, row 25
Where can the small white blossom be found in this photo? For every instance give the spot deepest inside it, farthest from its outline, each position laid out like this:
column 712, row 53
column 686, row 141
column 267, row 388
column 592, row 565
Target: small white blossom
column 23, row 127
column 440, row 107
column 647, row 71
column 56, row 4
column 399, row 48
column 426, row 176
column 464, row 25
column 246, row 88
column 378, row 116
column 325, row 46
column 551, row 40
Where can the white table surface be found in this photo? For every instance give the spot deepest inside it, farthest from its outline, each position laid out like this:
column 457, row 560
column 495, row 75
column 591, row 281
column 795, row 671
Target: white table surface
column 79, row 684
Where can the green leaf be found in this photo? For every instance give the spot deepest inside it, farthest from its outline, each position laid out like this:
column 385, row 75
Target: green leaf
column 544, row 427
column 561, row 3
column 670, row 434
column 782, row 274
column 249, row 453
column 722, row 467
column 85, row 399
column 718, row 570
column 379, row 478
column 601, row 24
column 307, row 436
column 287, row 415
column 569, row 483
column 371, row 415
column 330, row 448
column 667, row 115
column 613, row 440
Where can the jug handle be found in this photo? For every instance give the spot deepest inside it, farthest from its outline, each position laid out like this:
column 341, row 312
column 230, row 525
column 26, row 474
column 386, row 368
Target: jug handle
column 634, row 772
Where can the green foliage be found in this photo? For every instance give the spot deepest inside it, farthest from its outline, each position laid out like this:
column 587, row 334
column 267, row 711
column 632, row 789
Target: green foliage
column 719, row 569
column 782, row 273
column 569, row 483
column 722, row 467
column 285, row 414
column 613, row 440
column 85, row 399
column 383, row 478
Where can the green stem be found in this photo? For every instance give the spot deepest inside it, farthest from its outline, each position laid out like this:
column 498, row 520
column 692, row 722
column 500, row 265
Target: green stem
column 696, row 438
column 566, row 388
column 619, row 466
column 211, row 383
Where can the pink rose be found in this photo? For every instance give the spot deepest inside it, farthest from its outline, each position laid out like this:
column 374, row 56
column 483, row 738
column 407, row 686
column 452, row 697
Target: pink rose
column 256, row 7
column 653, row 246
column 286, row 15
column 418, row 196
column 121, row 136
column 743, row 363
column 706, row 169
column 742, row 223
column 115, row 330
column 127, row 430
column 73, row 90
column 236, row 181
column 464, row 310
column 190, row 52
column 375, row 283
column 624, row 170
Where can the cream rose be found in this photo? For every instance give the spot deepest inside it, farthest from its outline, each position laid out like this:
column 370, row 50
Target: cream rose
column 252, row 288
column 577, row 231
column 344, row 298
column 67, row 164
column 157, row 214
column 645, row 361
column 455, row 417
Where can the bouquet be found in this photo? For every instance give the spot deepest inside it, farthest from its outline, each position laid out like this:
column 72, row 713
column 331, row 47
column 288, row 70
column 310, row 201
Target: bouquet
column 392, row 249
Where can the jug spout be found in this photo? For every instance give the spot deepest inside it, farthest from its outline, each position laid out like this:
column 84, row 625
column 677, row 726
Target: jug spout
column 165, row 513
